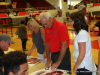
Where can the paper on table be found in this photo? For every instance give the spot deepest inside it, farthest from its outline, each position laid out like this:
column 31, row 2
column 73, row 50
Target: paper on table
column 49, row 72
column 33, row 61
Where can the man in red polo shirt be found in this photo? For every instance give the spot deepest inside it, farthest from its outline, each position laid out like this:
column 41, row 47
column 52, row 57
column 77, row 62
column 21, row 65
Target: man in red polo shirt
column 56, row 42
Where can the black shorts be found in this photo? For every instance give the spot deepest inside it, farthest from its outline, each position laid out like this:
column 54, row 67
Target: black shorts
column 66, row 62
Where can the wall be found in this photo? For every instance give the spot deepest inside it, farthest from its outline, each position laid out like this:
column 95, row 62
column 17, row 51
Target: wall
column 96, row 8
column 17, row 19
column 53, row 12
column 64, row 8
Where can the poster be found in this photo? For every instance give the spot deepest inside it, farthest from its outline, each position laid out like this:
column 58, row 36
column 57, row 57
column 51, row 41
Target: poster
column 33, row 61
column 49, row 72
column 5, row 21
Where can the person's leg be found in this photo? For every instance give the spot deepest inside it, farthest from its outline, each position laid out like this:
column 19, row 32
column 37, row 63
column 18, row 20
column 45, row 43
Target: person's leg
column 24, row 43
column 83, row 71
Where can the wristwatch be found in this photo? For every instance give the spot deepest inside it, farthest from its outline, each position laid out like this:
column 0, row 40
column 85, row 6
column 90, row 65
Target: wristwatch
column 58, row 62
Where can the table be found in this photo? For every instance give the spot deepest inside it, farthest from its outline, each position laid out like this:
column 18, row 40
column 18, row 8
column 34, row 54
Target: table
column 38, row 67
column 9, row 50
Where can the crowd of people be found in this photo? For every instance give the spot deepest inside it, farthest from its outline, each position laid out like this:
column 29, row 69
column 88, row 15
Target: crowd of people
column 52, row 45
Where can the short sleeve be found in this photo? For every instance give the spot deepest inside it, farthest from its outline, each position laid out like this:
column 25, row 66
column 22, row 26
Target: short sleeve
column 82, row 38
column 64, row 33
column 97, row 24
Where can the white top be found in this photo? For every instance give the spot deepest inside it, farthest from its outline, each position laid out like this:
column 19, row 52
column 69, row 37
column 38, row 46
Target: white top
column 88, row 63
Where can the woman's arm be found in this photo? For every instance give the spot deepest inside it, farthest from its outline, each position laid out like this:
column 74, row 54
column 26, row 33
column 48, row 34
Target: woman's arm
column 33, row 47
column 82, row 50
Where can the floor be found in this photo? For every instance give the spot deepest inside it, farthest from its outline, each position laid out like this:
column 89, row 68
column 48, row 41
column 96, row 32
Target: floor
column 17, row 45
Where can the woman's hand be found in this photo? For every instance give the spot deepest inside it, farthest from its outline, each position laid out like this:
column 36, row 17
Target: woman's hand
column 29, row 54
column 98, row 72
column 75, row 69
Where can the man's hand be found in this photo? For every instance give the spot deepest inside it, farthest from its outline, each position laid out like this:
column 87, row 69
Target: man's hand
column 49, row 61
column 98, row 72
column 55, row 66
column 44, row 56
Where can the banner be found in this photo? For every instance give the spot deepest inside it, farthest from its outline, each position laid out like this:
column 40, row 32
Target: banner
column 5, row 20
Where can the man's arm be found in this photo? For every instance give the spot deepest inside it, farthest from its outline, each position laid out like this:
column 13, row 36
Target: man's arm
column 63, row 51
column 47, row 55
column 47, row 50
column 61, row 56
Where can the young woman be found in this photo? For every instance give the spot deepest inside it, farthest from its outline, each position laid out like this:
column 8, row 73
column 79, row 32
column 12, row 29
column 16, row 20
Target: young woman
column 38, row 37
column 84, row 64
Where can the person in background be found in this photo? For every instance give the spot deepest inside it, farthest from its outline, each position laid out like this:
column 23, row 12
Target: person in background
column 34, row 17
column 22, row 34
column 26, row 20
column 93, row 29
column 60, row 15
column 38, row 38
column 56, row 43
column 5, row 42
column 82, row 10
column 15, row 63
column 82, row 44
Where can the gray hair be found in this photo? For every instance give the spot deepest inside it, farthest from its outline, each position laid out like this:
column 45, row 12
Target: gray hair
column 46, row 15
column 33, row 23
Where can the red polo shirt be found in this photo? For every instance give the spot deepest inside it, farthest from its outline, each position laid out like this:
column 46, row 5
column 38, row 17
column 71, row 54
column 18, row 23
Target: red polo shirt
column 55, row 35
